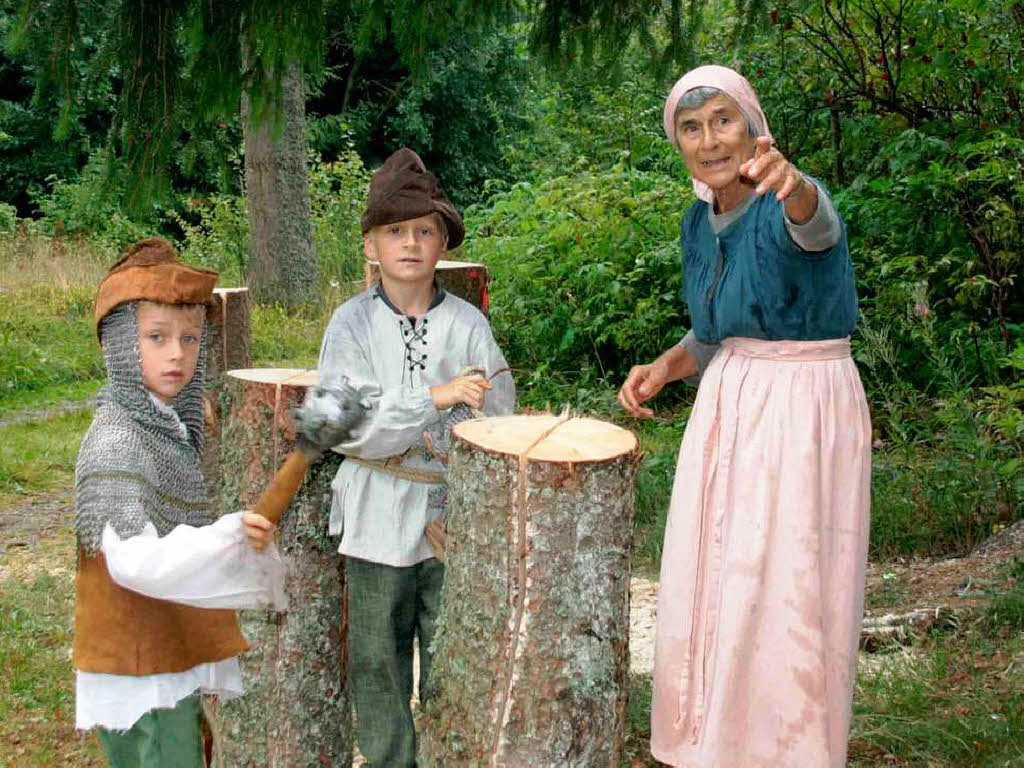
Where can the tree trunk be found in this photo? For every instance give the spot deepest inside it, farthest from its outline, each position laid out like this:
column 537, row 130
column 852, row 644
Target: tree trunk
column 282, row 259
column 466, row 279
column 532, row 647
column 295, row 712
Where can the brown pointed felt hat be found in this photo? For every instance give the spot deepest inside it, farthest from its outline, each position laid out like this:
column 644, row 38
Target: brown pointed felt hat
column 404, row 189
column 152, row 271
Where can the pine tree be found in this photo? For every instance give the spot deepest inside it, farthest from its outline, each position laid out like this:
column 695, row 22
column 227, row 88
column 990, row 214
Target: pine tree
column 182, row 61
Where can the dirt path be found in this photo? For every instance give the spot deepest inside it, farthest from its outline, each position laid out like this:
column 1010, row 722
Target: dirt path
column 38, row 414
column 24, row 525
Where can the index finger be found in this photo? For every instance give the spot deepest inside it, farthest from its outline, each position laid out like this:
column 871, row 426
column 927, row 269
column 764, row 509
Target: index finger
column 629, row 400
column 763, row 146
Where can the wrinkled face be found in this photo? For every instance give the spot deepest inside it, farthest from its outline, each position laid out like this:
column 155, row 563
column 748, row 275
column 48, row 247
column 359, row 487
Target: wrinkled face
column 714, row 141
column 407, row 251
column 169, row 338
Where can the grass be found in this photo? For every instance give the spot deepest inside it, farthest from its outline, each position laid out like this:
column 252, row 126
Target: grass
column 36, row 678
column 956, row 701
column 659, row 442
column 286, row 339
column 48, row 349
column 39, row 457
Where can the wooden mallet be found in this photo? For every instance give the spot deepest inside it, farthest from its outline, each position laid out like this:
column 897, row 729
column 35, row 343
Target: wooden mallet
column 325, row 418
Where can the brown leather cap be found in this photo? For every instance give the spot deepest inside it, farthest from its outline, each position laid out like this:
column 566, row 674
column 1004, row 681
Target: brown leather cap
column 151, row 271
column 403, row 189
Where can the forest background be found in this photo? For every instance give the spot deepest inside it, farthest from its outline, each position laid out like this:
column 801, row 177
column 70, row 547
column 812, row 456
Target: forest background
column 543, row 121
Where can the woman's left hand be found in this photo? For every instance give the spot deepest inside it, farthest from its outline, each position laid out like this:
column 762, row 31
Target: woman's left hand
column 768, row 169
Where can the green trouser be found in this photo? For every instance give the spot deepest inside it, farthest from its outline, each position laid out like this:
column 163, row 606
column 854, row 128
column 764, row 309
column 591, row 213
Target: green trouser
column 387, row 608
column 161, row 738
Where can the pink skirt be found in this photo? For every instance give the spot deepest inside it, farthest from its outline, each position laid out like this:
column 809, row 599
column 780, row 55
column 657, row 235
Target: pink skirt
column 762, row 575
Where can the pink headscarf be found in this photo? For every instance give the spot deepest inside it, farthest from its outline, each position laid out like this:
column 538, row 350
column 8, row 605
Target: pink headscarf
column 732, row 84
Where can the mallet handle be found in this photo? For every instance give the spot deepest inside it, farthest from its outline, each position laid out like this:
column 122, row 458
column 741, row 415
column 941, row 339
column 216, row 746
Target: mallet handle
column 282, row 487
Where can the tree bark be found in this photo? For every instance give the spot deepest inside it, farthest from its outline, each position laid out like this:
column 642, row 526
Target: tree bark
column 466, row 279
column 282, row 258
column 532, row 648
column 295, row 712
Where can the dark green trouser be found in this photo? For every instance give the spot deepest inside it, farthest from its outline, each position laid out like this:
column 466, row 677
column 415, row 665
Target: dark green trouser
column 387, row 608
column 162, row 738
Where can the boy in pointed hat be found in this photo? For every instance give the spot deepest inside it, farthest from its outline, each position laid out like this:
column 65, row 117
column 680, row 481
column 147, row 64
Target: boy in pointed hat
column 402, row 344
column 159, row 576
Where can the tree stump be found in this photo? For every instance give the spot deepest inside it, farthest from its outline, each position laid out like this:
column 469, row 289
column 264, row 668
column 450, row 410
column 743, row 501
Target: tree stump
column 467, row 280
column 295, row 712
column 532, row 647
column 228, row 343
column 227, row 347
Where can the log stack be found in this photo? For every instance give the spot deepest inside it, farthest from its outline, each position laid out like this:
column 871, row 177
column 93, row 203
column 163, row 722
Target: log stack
column 295, row 712
column 532, row 650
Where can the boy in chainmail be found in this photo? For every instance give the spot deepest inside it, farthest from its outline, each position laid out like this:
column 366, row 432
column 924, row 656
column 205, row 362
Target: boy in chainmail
column 402, row 344
column 158, row 576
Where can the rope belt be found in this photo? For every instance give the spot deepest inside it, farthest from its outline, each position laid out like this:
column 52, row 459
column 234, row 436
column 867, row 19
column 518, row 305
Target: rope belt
column 392, row 465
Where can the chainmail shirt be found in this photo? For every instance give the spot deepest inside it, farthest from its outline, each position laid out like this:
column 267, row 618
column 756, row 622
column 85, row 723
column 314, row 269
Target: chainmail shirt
column 135, row 464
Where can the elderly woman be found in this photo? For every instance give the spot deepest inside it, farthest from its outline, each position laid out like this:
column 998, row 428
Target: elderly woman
column 763, row 568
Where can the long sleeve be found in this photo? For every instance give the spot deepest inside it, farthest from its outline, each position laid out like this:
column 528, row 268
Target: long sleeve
column 701, row 352
column 397, row 415
column 209, row 567
column 822, row 231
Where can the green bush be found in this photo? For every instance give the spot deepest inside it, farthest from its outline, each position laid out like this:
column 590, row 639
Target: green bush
column 8, row 219
column 86, row 206
column 584, row 276
column 215, row 234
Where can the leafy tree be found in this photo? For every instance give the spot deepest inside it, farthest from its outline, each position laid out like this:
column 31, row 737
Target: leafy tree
column 459, row 113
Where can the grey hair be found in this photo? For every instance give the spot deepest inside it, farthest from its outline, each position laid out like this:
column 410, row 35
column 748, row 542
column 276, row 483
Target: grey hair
column 696, row 97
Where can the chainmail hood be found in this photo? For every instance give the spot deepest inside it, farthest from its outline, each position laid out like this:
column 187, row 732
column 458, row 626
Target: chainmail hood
column 136, row 464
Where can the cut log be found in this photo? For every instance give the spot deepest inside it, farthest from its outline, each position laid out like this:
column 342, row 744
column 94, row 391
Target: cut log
column 532, row 646
column 227, row 347
column 295, row 712
column 228, row 341
column 465, row 279
column 880, row 632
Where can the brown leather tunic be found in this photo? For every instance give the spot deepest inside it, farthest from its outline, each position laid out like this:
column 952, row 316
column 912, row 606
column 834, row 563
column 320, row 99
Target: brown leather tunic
column 120, row 632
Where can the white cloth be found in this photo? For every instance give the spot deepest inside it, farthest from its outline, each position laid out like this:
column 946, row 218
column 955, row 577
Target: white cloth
column 116, row 702
column 393, row 362
column 209, row 567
